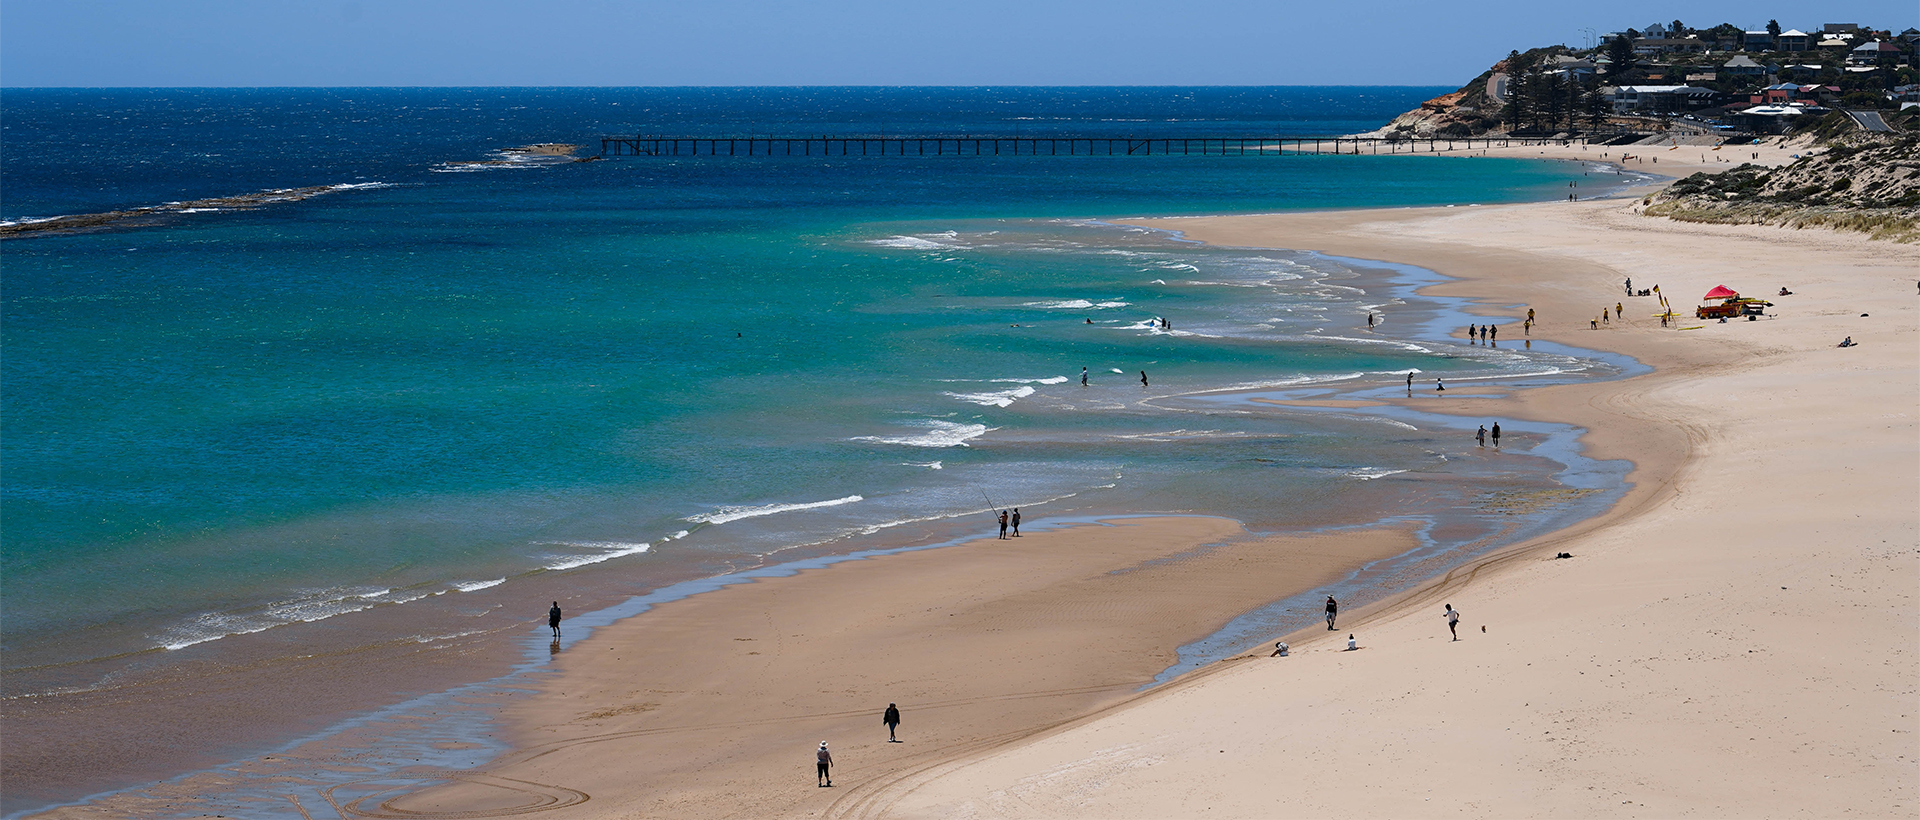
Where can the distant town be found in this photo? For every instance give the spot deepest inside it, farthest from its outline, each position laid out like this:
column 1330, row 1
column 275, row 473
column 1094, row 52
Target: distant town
column 1669, row 77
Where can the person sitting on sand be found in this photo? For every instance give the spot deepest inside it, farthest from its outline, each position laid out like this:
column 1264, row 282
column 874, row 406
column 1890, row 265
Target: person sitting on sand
column 1439, row 386
column 1352, row 644
column 1785, row 292
column 1280, row 649
column 1847, row 342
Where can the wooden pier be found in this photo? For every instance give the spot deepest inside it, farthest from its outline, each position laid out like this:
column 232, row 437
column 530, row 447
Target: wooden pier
column 985, row 146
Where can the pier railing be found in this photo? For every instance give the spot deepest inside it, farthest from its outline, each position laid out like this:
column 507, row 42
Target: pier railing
column 979, row 146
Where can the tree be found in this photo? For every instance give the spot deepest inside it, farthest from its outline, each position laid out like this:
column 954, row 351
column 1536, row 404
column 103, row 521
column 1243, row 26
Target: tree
column 1597, row 108
column 1620, row 51
column 1679, row 30
column 1773, row 29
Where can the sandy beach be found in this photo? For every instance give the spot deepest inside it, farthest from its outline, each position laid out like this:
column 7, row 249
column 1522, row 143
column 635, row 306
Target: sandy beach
column 1735, row 637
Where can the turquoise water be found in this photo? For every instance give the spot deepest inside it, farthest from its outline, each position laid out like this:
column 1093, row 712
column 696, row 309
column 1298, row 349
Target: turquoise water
column 446, row 379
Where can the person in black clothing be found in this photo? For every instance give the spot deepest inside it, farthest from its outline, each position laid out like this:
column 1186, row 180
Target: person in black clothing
column 553, row 619
column 1016, row 522
column 1333, row 611
column 892, row 719
column 1496, row 434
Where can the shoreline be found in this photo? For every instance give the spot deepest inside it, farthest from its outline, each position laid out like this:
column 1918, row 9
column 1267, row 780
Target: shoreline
column 1462, row 393
column 1382, row 718
column 170, row 788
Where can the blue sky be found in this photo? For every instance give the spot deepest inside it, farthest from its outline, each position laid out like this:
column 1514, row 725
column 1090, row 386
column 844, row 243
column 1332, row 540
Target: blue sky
column 98, row 43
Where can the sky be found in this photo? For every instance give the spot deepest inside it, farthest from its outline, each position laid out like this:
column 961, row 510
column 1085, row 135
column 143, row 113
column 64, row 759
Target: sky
column 232, row 43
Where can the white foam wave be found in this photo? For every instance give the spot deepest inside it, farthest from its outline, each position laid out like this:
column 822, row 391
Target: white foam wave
column 912, row 243
column 939, row 434
column 1371, row 473
column 931, row 465
column 1078, row 304
column 476, row 586
column 607, row 551
column 1047, row 380
column 998, row 398
column 725, row 514
column 316, row 605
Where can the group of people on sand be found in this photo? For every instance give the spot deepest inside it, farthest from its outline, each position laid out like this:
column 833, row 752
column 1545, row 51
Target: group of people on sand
column 823, row 758
column 1282, row 650
column 1482, row 435
column 1487, row 333
column 1014, row 520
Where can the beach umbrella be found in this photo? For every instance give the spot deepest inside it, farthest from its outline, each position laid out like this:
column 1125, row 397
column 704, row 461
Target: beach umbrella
column 1721, row 292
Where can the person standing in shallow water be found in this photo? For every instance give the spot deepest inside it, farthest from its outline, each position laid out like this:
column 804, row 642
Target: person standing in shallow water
column 1496, row 434
column 553, row 620
column 1333, row 611
column 1143, row 378
column 1482, row 435
column 1016, row 522
column 892, row 719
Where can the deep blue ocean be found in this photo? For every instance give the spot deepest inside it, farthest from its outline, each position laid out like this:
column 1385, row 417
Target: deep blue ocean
column 458, row 369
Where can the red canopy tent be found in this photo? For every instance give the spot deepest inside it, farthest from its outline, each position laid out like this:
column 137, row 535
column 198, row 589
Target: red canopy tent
column 1722, row 292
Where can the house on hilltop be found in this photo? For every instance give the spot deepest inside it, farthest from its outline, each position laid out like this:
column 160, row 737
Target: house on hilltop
column 1742, row 66
column 1758, row 41
column 1874, row 53
column 1792, row 40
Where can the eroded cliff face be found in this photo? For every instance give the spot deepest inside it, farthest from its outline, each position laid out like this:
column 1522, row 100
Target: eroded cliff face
column 1468, row 112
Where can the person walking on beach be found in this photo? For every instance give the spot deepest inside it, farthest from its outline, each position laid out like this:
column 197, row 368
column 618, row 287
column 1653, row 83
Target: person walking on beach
column 1333, row 611
column 823, row 766
column 1482, row 435
column 1003, row 525
column 1016, row 522
column 1143, row 378
column 1527, row 327
column 1453, row 621
column 1617, row 307
column 1409, row 382
column 553, row 620
column 1529, row 315
column 1496, row 434
column 892, row 719
column 1493, row 332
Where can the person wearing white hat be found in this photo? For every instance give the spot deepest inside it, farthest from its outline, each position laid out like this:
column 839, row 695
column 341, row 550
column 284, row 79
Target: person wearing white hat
column 823, row 765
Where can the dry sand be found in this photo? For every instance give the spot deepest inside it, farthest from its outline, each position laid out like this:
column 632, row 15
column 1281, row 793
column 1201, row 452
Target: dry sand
column 1737, row 639
column 711, row 706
